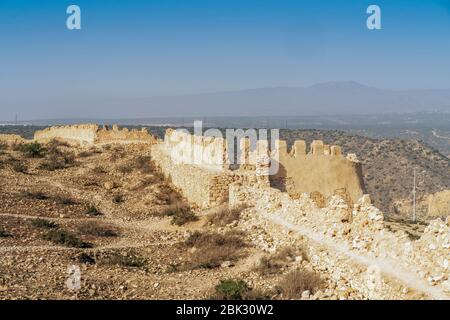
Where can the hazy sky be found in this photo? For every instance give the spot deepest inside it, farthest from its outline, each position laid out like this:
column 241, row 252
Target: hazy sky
column 136, row 49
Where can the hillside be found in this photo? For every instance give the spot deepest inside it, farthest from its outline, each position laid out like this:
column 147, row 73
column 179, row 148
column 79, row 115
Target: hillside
column 388, row 165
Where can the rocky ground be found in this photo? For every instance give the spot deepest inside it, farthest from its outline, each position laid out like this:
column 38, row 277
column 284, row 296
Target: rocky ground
column 107, row 212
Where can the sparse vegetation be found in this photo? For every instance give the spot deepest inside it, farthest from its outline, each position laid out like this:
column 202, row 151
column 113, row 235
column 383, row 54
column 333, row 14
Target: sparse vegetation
column 274, row 263
column 58, row 160
column 231, row 290
column 43, row 224
column 95, row 228
column 85, row 258
column 93, row 211
column 118, row 198
column 212, row 249
column 225, row 216
column 296, row 282
column 4, row 234
column 125, row 168
column 31, row 150
column 180, row 214
column 132, row 260
column 36, row 195
column 65, row 238
column 64, row 200
column 19, row 166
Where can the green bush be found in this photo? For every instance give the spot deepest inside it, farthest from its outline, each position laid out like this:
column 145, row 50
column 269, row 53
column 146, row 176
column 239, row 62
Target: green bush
column 231, row 289
column 33, row 149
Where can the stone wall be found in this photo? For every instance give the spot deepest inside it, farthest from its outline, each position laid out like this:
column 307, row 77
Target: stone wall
column 197, row 164
column 202, row 185
column 352, row 243
column 93, row 134
column 324, row 169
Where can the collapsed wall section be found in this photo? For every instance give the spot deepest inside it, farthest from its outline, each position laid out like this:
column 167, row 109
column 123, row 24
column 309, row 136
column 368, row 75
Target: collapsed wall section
column 351, row 243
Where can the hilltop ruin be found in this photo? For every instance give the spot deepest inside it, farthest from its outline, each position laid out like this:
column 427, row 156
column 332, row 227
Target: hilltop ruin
column 316, row 195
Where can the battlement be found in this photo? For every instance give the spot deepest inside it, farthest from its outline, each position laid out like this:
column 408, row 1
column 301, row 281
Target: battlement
column 323, row 169
column 93, row 134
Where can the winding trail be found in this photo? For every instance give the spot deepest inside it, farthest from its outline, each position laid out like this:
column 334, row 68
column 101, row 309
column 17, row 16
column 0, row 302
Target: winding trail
column 387, row 266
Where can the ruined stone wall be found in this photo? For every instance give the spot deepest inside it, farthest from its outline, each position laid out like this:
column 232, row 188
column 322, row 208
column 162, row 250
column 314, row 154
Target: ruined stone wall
column 202, row 185
column 10, row 139
column 85, row 133
column 324, row 169
column 93, row 134
column 351, row 243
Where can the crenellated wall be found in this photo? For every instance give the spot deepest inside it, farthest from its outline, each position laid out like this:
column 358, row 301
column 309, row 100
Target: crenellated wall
column 324, row 169
column 93, row 134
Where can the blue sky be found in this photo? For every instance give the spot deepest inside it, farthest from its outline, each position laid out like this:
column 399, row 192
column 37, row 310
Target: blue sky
column 129, row 49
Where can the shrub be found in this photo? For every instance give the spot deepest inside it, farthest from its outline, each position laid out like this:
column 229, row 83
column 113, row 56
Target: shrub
column 118, row 198
column 225, row 216
column 93, row 211
column 231, row 290
column 125, row 260
column 32, row 150
column 144, row 164
column 64, row 200
column 125, row 168
column 213, row 249
column 180, row 214
column 273, row 263
column 297, row 281
column 94, row 228
column 3, row 145
column 43, row 223
column 4, row 233
column 65, row 238
column 181, row 217
column 85, row 258
column 98, row 170
column 19, row 167
column 58, row 160
column 36, row 195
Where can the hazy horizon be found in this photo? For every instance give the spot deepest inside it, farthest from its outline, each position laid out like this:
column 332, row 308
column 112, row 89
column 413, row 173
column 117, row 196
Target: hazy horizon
column 130, row 54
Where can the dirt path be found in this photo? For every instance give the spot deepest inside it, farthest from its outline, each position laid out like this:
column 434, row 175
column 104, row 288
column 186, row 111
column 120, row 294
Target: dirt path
column 387, row 266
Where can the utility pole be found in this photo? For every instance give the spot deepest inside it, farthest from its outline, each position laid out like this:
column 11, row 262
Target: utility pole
column 15, row 120
column 414, row 198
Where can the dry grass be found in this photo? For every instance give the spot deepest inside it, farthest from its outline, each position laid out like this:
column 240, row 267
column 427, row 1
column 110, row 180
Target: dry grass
column 130, row 259
column 225, row 216
column 180, row 214
column 43, row 224
column 296, row 282
column 58, row 159
column 283, row 258
column 95, row 228
column 65, row 238
column 212, row 249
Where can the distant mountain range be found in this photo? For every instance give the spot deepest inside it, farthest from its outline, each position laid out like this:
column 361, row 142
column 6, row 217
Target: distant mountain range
column 319, row 99
column 331, row 98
